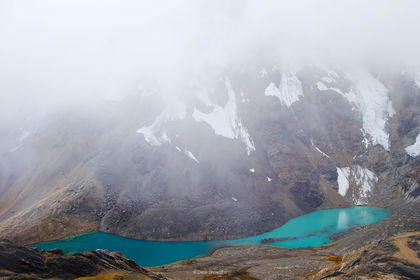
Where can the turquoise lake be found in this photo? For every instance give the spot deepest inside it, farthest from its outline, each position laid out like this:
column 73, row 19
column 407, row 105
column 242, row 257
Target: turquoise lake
column 304, row 231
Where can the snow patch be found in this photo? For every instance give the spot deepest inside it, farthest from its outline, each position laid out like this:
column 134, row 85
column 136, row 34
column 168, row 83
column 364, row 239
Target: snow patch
column 269, row 179
column 357, row 179
column 225, row 121
column 188, row 154
column 234, row 199
column 191, row 156
column 342, row 180
column 364, row 179
column 288, row 91
column 319, row 150
column 370, row 97
column 329, row 79
column 252, row 170
column 414, row 150
column 322, row 87
column 155, row 133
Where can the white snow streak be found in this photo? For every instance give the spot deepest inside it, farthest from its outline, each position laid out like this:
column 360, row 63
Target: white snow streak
column 319, row 150
column 360, row 179
column 191, row 156
column 288, row 91
column 155, row 133
column 225, row 121
column 364, row 179
column 343, row 182
column 321, row 86
column 188, row 154
column 414, row 150
column 371, row 98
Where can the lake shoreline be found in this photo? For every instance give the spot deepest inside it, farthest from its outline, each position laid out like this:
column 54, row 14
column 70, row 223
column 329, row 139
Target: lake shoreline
column 310, row 230
column 181, row 240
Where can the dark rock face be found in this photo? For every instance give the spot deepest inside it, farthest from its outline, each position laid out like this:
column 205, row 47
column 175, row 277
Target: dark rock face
column 329, row 172
column 88, row 169
column 309, row 194
column 27, row 263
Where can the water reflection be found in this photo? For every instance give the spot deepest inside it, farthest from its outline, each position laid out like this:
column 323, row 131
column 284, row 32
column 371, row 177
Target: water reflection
column 343, row 221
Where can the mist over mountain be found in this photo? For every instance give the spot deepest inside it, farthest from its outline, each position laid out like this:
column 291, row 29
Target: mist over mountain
column 78, row 51
column 203, row 120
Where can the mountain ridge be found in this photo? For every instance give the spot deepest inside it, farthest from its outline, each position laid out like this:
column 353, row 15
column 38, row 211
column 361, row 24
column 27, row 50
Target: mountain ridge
column 277, row 156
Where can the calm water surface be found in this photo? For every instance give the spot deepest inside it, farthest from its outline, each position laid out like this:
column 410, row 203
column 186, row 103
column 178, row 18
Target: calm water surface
column 304, row 231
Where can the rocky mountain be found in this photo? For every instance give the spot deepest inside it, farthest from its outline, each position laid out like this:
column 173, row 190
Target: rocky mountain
column 232, row 153
column 27, row 263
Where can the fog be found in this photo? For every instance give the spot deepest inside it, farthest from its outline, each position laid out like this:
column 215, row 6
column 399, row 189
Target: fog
column 74, row 52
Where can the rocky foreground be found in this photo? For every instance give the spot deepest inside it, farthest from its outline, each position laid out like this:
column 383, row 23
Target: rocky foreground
column 27, row 263
column 389, row 249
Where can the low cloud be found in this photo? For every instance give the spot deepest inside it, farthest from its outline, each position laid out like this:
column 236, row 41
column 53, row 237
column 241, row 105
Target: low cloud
column 59, row 52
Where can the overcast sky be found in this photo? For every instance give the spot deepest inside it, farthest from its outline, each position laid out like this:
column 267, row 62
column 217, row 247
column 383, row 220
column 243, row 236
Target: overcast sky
column 76, row 50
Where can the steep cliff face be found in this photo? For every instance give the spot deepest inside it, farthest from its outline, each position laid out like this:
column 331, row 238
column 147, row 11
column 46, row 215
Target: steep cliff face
column 238, row 153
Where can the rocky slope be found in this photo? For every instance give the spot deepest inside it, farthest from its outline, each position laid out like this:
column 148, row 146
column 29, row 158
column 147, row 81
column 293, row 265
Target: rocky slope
column 385, row 250
column 27, row 263
column 367, row 252
column 239, row 153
